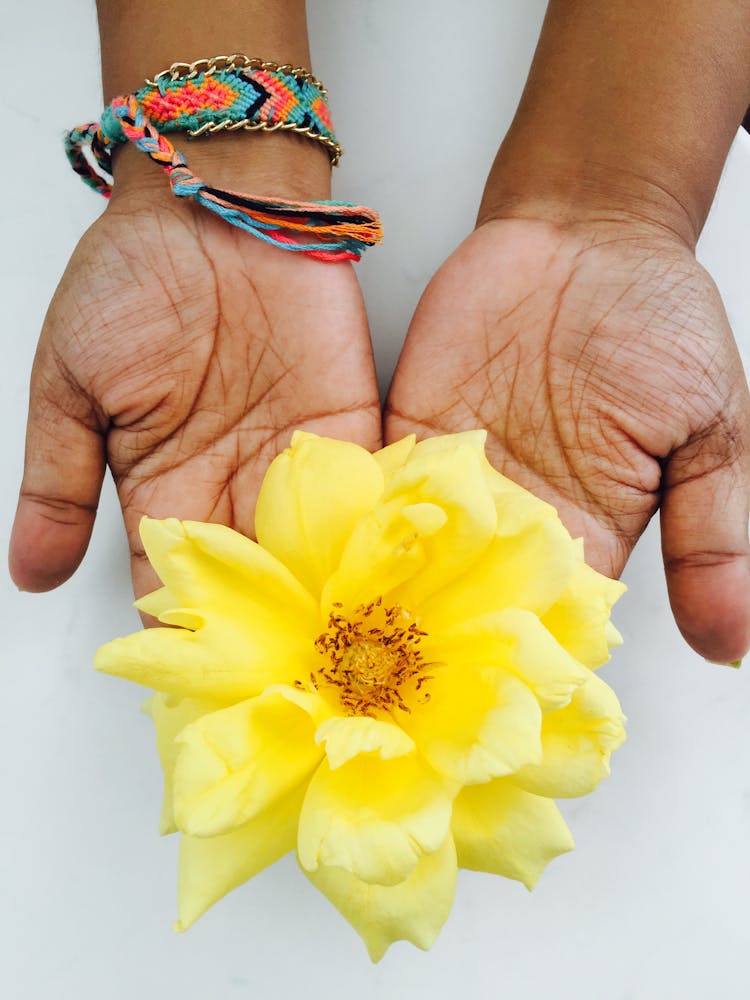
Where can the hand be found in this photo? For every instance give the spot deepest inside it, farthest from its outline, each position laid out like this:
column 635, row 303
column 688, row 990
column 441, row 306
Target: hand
column 600, row 359
column 182, row 353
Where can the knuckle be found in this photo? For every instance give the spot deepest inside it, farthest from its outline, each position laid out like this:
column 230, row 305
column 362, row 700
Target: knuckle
column 701, row 560
column 718, row 444
column 59, row 510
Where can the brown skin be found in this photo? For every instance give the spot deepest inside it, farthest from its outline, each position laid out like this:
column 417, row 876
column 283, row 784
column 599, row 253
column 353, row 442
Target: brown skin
column 574, row 323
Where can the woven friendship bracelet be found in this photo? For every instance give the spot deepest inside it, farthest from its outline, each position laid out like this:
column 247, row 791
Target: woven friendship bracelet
column 229, row 93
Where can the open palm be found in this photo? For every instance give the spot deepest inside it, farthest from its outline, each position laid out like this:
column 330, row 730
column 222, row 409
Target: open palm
column 181, row 353
column 601, row 361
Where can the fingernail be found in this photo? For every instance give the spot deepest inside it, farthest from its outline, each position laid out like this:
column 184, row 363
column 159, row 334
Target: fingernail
column 719, row 663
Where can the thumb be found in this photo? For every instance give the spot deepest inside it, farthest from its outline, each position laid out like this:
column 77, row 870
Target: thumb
column 63, row 474
column 704, row 526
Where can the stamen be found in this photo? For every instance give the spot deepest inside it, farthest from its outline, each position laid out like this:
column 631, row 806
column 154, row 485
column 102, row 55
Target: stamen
column 371, row 656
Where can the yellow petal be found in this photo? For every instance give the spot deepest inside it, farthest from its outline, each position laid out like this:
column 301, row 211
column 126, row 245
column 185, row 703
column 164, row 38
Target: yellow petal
column 414, row 910
column 164, row 605
column 249, row 622
column 156, row 602
column 312, row 496
column 383, row 550
column 516, row 641
column 344, row 737
column 212, row 569
column 427, row 518
column 210, row 867
column 612, row 636
column 528, row 570
column 392, row 457
column 577, row 742
column 446, row 473
column 236, row 763
column 183, row 618
column 579, row 619
column 373, row 817
column 170, row 715
column 501, row 829
column 479, row 723
column 435, row 517
column 517, row 508
column 226, row 660
column 447, row 443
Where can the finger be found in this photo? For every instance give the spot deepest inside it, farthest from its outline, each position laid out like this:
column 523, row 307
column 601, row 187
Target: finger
column 704, row 522
column 63, row 473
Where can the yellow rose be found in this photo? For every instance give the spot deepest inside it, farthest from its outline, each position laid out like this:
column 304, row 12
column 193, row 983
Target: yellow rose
column 395, row 680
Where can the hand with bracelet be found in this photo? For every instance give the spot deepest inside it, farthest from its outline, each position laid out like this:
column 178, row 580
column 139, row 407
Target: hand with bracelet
column 179, row 350
column 574, row 323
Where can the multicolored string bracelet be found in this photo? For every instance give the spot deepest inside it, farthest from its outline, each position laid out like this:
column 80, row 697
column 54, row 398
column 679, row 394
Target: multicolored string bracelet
column 230, row 93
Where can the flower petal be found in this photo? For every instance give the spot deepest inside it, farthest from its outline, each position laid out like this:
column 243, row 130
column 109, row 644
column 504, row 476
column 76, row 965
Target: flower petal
column 579, row 619
column 375, row 818
column 446, row 443
column 479, row 723
column 527, row 570
column 502, row 829
column 235, row 763
column 435, row 517
column 414, row 910
column 427, row 518
column 446, row 473
column 246, row 621
column 345, row 737
column 612, row 636
column 170, row 715
column 517, row 508
column 392, row 457
column 213, row 569
column 383, row 551
column 210, row 867
column 577, row 742
column 156, row 602
column 311, row 498
column 516, row 641
column 225, row 660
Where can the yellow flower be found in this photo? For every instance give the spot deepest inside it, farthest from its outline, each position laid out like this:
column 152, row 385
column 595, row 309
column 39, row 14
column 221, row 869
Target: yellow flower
column 396, row 680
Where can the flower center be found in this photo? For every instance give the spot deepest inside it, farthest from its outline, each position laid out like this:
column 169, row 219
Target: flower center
column 371, row 656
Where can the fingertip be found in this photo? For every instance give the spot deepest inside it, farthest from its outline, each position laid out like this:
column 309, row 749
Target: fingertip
column 711, row 605
column 48, row 542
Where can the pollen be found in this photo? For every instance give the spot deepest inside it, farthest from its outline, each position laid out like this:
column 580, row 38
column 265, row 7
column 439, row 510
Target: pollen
column 372, row 657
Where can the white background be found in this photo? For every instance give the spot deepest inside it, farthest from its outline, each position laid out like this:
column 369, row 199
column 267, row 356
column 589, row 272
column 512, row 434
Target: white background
column 652, row 905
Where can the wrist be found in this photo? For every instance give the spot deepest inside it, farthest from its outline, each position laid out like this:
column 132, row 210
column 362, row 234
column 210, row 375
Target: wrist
column 628, row 112
column 263, row 164
column 140, row 39
column 586, row 184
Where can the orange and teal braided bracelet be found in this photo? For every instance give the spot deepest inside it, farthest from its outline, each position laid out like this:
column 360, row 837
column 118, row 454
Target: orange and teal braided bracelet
column 229, row 93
